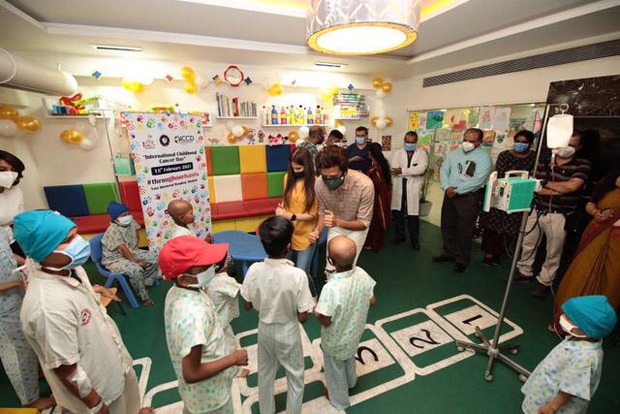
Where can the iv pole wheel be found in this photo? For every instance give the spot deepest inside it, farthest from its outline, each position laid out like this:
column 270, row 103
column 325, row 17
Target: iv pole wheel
column 523, row 378
column 514, row 351
column 460, row 348
column 488, row 377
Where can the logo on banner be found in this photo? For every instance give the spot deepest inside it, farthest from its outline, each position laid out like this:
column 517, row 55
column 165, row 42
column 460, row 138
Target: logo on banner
column 149, row 143
column 164, row 140
column 184, row 139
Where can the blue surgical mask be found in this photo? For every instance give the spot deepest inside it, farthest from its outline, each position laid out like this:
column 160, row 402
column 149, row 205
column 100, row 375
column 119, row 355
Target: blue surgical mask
column 334, row 183
column 360, row 140
column 409, row 147
column 204, row 278
column 521, row 146
column 78, row 251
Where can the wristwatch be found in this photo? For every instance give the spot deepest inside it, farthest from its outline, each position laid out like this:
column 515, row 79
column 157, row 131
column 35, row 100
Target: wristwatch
column 294, row 217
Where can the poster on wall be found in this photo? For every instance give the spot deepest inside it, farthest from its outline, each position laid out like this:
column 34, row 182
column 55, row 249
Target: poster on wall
column 485, row 120
column 169, row 155
column 413, row 121
column 501, row 118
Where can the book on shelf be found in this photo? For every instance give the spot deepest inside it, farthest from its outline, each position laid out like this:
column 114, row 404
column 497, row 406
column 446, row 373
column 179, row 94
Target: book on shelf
column 233, row 107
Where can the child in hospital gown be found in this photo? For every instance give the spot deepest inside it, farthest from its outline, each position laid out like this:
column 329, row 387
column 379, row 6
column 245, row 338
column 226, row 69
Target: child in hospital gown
column 565, row 381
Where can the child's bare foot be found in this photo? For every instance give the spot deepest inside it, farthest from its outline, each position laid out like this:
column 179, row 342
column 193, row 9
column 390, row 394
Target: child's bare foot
column 146, row 410
column 43, row 403
column 148, row 302
column 244, row 373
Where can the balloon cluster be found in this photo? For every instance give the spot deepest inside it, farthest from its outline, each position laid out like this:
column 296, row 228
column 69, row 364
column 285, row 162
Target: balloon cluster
column 381, row 122
column 237, row 132
column 275, row 89
column 328, row 93
column 132, row 85
column 11, row 122
column 193, row 83
column 382, row 87
column 77, row 135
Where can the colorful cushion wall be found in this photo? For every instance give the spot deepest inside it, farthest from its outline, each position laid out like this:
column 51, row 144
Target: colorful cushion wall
column 98, row 196
column 68, row 200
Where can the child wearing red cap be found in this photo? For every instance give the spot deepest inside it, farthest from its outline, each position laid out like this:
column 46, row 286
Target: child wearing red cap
column 280, row 293
column 203, row 357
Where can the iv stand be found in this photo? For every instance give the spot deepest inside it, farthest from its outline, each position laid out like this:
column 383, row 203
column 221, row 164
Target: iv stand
column 493, row 349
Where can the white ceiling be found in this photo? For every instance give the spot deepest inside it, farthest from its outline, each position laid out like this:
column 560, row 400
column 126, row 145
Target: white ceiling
column 192, row 31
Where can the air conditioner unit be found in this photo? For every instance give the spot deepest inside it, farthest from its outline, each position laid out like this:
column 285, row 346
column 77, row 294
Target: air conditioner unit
column 18, row 73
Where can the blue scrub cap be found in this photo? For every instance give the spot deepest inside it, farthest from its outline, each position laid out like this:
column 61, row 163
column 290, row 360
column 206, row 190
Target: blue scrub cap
column 116, row 209
column 594, row 315
column 40, row 232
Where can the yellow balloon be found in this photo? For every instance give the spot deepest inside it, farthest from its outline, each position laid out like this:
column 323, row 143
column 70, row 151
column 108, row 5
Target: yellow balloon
column 231, row 138
column 71, row 136
column 29, row 124
column 9, row 112
column 386, row 87
column 293, row 136
column 132, row 86
column 188, row 74
column 333, row 90
column 191, row 87
column 373, row 120
column 389, row 121
column 246, row 131
column 377, row 83
column 338, row 122
column 275, row 90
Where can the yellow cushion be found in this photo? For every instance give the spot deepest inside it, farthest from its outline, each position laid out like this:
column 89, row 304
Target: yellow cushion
column 19, row 411
column 221, row 225
column 249, row 224
column 253, row 159
column 212, row 191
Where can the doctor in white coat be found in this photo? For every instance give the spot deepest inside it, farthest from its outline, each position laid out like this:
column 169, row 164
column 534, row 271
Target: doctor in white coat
column 408, row 168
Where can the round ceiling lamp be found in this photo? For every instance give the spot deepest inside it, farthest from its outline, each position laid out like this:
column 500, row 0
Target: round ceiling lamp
column 361, row 27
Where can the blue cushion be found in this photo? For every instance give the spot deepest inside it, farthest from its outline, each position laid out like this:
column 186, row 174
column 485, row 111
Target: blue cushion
column 277, row 157
column 68, row 200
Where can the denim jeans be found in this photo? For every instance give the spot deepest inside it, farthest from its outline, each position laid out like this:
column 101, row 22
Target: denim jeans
column 303, row 260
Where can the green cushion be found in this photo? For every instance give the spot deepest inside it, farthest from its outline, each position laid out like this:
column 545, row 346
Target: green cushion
column 275, row 183
column 98, row 196
column 225, row 160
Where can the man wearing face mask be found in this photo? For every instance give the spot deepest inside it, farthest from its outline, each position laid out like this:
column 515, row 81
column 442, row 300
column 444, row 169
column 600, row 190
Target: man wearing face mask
column 122, row 255
column 464, row 174
column 358, row 151
column 203, row 356
column 78, row 345
column 316, row 136
column 563, row 178
column 408, row 169
column 346, row 200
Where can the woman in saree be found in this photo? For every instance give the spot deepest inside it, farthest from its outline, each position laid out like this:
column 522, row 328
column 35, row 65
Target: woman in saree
column 379, row 173
column 595, row 270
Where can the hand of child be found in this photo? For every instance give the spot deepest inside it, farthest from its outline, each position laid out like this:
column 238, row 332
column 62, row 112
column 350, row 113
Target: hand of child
column 546, row 408
column 141, row 263
column 240, row 356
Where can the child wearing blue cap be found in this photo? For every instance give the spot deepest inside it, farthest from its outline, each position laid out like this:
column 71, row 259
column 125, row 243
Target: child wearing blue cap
column 568, row 377
column 122, row 255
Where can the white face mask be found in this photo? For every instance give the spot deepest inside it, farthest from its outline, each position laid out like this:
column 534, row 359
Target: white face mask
column 568, row 327
column 204, row 278
column 125, row 220
column 566, row 152
column 468, row 146
column 7, row 178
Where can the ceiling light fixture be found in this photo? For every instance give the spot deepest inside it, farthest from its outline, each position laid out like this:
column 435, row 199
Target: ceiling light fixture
column 330, row 64
column 114, row 48
column 362, row 27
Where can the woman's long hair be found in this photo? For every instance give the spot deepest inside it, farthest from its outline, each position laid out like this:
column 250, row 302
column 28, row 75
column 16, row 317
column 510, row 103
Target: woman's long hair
column 302, row 157
column 377, row 153
column 604, row 186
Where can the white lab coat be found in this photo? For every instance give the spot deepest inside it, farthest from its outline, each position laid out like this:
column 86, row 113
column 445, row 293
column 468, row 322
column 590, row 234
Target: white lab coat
column 414, row 176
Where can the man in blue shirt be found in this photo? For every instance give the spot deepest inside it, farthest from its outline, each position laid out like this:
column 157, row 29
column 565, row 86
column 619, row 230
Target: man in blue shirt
column 358, row 151
column 464, row 174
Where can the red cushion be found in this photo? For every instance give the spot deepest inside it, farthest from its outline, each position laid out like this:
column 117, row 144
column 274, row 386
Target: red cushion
column 262, row 206
column 231, row 210
column 98, row 223
column 130, row 195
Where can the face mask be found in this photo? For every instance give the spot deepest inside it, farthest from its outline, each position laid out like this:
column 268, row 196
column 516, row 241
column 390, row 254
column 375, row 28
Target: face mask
column 203, row 278
column 568, row 327
column 409, row 147
column 468, row 146
column 334, row 183
column 520, row 146
column 7, row 178
column 78, row 251
column 566, row 152
column 360, row 140
column 299, row 174
column 125, row 220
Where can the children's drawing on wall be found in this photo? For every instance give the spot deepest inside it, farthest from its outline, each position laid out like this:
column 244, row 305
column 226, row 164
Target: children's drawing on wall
column 488, row 138
column 486, row 117
column 501, row 118
column 386, row 143
column 434, row 120
column 413, row 121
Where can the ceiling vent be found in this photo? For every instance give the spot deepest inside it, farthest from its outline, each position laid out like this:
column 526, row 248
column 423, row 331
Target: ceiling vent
column 561, row 57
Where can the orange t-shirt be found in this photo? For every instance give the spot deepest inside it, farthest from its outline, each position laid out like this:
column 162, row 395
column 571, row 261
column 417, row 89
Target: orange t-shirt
column 297, row 205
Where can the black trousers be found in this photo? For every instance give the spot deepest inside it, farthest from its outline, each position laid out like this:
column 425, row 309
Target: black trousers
column 458, row 218
column 413, row 225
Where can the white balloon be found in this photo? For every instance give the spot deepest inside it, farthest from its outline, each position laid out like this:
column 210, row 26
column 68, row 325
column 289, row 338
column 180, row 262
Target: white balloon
column 380, row 124
column 304, row 131
column 380, row 94
column 342, row 129
column 7, row 128
column 88, row 144
column 200, row 81
column 237, row 131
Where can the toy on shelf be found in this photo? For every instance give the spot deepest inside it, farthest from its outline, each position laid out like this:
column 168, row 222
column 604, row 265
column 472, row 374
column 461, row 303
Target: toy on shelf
column 294, row 115
column 165, row 109
column 73, row 105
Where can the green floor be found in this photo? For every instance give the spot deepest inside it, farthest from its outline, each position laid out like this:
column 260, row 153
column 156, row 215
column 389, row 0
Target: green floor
column 406, row 280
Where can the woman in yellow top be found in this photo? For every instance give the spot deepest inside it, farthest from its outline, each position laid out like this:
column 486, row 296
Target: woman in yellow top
column 300, row 205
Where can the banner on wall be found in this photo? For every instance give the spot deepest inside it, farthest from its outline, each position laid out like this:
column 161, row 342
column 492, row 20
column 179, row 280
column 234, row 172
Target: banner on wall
column 169, row 155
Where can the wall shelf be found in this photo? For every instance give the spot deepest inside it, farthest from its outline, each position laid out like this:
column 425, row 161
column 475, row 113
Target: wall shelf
column 48, row 115
column 292, row 125
column 236, row 117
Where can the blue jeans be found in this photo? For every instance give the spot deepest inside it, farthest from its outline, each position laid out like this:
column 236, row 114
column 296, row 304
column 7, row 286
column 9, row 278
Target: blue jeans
column 303, row 260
